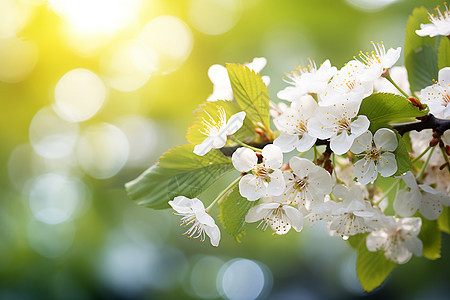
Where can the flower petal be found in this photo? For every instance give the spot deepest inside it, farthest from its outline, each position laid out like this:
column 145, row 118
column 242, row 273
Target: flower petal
column 276, row 185
column 244, row 159
column 385, row 139
column 295, row 217
column 406, row 202
column 286, row 142
column 214, row 234
column 376, row 240
column 301, row 166
column 305, row 143
column 387, row 164
column 341, row 143
column 273, row 157
column 365, row 171
column 250, row 188
column 359, row 126
column 234, row 123
column 363, row 143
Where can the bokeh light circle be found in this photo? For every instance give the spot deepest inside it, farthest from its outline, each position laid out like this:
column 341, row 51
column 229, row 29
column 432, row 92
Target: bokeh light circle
column 170, row 38
column 55, row 198
column 241, row 279
column 50, row 136
column 14, row 15
column 203, row 275
column 102, row 150
column 79, row 95
column 143, row 137
column 214, row 17
column 128, row 65
column 50, row 240
column 17, row 59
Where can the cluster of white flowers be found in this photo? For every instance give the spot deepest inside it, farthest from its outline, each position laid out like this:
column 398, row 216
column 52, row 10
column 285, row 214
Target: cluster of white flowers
column 324, row 107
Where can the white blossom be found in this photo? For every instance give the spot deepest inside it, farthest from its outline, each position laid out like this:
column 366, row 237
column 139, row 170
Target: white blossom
column 440, row 24
column 264, row 179
column 378, row 61
column 216, row 131
column 346, row 84
column 293, row 125
column 307, row 183
column 397, row 238
column 420, row 197
column 340, row 124
column 307, row 80
column 192, row 212
column 437, row 96
column 352, row 214
column 218, row 75
column 277, row 214
column 377, row 155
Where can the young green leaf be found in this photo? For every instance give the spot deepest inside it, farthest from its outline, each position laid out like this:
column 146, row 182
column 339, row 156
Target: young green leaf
column 444, row 220
column 420, row 52
column 250, row 93
column 233, row 209
column 206, row 110
column 402, row 156
column 444, row 53
column 431, row 239
column 372, row 268
column 178, row 172
column 384, row 108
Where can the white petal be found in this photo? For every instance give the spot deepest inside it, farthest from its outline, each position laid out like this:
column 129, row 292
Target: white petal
column 272, row 155
column 286, row 142
column 341, row 143
column 214, row 234
column 430, row 207
column 414, row 245
column 391, row 57
column 205, row 146
column 406, row 203
column 244, row 159
column 218, row 74
column 317, row 129
column 306, row 106
column 257, row 64
column 258, row 212
column 320, row 180
column 399, row 254
column 410, row 181
column 365, row 171
column 294, row 216
column 249, row 188
column 305, row 143
column 387, row 164
column 291, row 93
column 234, row 123
column 410, row 225
column 276, row 185
column 376, row 240
column 182, row 204
column 359, row 126
column 301, row 166
column 363, row 143
column 385, row 139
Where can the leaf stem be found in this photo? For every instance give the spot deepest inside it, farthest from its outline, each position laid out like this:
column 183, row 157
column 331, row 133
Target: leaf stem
column 208, row 209
column 397, row 181
column 419, row 176
column 421, row 155
column 444, row 154
column 388, row 77
column 245, row 145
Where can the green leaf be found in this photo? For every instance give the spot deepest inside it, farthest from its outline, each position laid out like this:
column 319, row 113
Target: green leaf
column 178, row 172
column 431, row 239
column 372, row 268
column 250, row 93
column 233, row 209
column 444, row 220
column 384, row 108
column 420, row 52
column 402, row 156
column 422, row 68
column 194, row 135
column 444, row 53
column 407, row 140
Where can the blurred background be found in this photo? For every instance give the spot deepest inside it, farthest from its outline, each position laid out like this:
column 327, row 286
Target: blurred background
column 93, row 91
